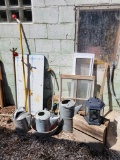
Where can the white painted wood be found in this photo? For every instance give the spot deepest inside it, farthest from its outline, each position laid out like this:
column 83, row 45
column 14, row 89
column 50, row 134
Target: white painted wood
column 34, row 72
column 89, row 56
column 83, row 69
column 36, row 82
column 20, row 81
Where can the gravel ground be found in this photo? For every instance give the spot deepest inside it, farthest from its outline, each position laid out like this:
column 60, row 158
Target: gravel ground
column 62, row 146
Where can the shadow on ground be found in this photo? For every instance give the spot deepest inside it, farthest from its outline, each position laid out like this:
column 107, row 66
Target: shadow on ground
column 58, row 147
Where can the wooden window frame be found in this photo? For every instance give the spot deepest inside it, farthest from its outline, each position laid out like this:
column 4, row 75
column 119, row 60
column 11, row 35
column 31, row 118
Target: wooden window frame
column 75, row 77
column 92, row 8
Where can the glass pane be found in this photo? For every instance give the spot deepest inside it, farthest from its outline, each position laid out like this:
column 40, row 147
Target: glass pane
column 87, row 112
column 2, row 2
column 82, row 66
column 27, row 15
column 13, row 2
column 68, row 88
column 3, row 16
column 26, row 2
column 97, row 32
column 94, row 115
column 101, row 112
column 84, row 89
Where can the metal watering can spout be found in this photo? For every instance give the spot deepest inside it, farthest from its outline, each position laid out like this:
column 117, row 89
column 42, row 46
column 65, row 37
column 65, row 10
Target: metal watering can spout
column 77, row 108
column 54, row 120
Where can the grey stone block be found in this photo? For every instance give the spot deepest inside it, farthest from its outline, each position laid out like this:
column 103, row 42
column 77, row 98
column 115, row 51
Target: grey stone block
column 61, row 31
column 45, row 15
column 43, row 45
column 66, row 14
column 38, row 31
column 39, row 3
column 67, row 46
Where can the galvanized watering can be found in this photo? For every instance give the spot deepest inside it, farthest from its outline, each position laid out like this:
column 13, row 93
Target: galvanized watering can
column 22, row 121
column 44, row 122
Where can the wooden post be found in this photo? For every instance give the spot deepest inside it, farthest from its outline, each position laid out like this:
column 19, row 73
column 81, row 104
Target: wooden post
column 103, row 81
column 1, row 91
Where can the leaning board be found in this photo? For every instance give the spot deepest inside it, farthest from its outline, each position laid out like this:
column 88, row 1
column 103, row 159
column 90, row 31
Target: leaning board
column 34, row 73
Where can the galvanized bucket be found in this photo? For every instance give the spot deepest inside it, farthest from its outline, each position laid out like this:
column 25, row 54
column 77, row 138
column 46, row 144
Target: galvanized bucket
column 68, row 125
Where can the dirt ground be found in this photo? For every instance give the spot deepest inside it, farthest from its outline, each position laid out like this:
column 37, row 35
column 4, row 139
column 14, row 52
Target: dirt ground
column 62, row 146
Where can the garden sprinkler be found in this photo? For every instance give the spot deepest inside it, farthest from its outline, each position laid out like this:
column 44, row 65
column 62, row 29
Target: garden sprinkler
column 21, row 47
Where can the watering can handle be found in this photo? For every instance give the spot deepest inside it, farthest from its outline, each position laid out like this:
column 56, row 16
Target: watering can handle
column 23, row 115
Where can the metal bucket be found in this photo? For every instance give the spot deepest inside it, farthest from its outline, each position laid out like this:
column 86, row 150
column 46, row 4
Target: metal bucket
column 42, row 119
column 68, row 125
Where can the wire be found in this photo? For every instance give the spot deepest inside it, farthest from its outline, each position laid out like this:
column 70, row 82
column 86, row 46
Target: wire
column 111, row 80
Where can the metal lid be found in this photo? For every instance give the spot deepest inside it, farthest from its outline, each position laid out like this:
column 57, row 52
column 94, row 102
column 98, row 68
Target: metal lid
column 94, row 103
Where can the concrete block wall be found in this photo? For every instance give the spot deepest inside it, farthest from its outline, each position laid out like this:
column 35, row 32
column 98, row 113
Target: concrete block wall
column 52, row 34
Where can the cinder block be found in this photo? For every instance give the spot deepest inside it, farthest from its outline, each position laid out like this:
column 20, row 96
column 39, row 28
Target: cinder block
column 57, row 59
column 10, row 79
column 65, row 70
column 110, row 100
column 43, row 45
column 37, row 3
column 45, row 15
column 46, row 55
column 56, row 70
column 55, row 3
column 38, row 31
column 115, row 1
column 8, row 43
column 61, row 31
column 31, row 44
column 87, row 2
column 6, row 57
column 66, row 14
column 69, row 2
column 67, row 46
column 9, row 31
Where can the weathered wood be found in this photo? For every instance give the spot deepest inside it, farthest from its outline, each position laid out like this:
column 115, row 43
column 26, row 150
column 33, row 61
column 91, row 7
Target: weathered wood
column 98, row 132
column 0, row 73
column 77, row 77
column 116, row 43
column 90, row 141
column 1, row 90
column 6, row 115
column 103, row 81
column 82, row 113
column 63, row 98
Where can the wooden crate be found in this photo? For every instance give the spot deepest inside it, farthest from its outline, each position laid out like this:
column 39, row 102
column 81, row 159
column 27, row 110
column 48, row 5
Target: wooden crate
column 93, row 135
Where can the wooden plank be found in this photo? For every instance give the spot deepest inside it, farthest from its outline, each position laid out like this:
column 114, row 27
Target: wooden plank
column 90, row 141
column 103, row 81
column 63, row 98
column 1, row 95
column 98, row 132
column 116, row 43
column 1, row 90
column 0, row 73
column 77, row 77
column 6, row 115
